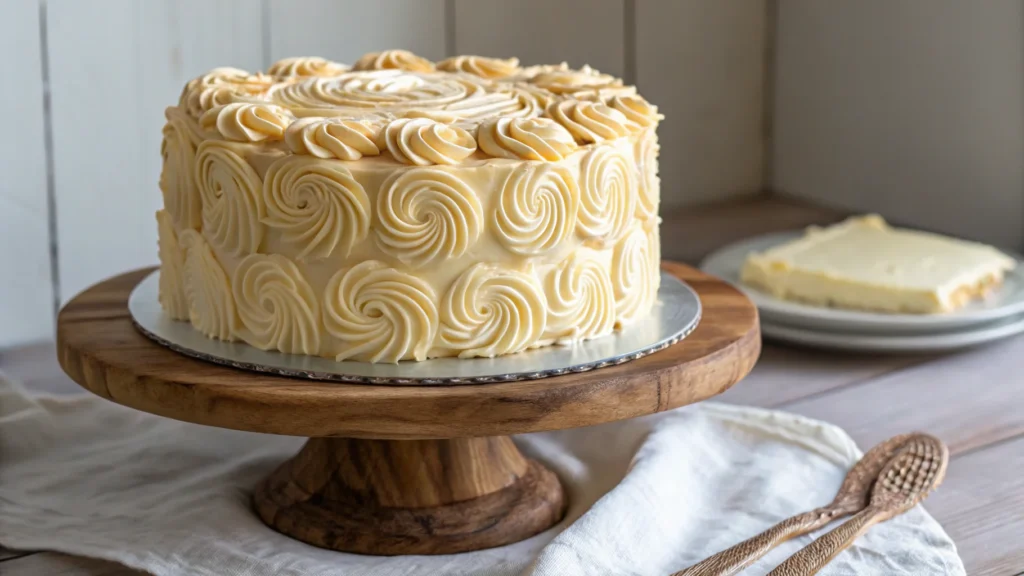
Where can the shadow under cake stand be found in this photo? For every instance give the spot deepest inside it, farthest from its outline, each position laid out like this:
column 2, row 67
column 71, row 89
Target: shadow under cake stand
column 403, row 469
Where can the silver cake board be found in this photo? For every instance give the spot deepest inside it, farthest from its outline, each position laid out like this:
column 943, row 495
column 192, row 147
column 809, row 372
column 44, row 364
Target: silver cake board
column 675, row 314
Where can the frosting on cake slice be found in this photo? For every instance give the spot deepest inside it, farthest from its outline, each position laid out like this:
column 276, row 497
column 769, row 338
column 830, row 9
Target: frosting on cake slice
column 863, row 263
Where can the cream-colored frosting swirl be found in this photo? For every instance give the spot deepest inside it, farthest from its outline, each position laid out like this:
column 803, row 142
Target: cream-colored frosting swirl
column 393, row 60
column 490, row 311
column 211, row 308
column 564, row 81
column 425, row 215
column 639, row 112
column 306, row 66
column 632, row 277
column 607, row 194
column 649, row 193
column 172, row 268
column 589, row 121
column 581, row 301
column 341, row 138
column 223, row 86
column 246, row 122
column 277, row 307
column 380, row 314
column 530, row 102
column 379, row 90
column 536, row 210
column 525, row 139
column 317, row 205
column 480, row 66
column 177, row 177
column 232, row 198
column 422, row 142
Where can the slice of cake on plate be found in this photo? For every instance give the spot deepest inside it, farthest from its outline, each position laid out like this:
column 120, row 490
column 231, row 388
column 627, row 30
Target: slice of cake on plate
column 865, row 264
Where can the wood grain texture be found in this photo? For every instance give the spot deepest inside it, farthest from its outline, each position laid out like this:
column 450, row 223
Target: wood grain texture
column 344, row 30
column 786, row 374
column 100, row 349
column 388, row 497
column 26, row 291
column 911, row 109
column 968, row 399
column 981, row 506
column 110, row 80
column 916, row 470
column 703, row 64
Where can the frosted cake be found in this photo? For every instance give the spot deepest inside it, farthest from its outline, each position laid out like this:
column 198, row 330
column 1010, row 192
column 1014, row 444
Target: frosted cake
column 865, row 264
column 402, row 209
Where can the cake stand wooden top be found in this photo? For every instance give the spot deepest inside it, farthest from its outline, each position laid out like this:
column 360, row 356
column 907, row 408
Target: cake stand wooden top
column 101, row 350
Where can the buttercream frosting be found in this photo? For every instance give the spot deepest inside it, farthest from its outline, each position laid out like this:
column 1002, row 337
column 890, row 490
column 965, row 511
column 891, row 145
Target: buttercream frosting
column 211, row 308
column 306, row 66
column 317, row 205
column 232, row 201
column 276, row 305
column 172, row 268
column 341, row 138
column 580, row 300
column 394, row 59
column 536, row 209
column 480, row 66
column 422, row 141
column 490, row 311
column 426, row 215
column 246, row 122
column 380, row 314
column 400, row 211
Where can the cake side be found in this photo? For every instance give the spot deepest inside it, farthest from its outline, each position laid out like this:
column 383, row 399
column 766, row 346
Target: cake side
column 863, row 263
column 472, row 208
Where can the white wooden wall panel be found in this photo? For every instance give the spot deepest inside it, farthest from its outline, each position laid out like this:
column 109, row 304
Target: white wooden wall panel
column 344, row 30
column 544, row 31
column 26, row 296
column 111, row 79
column 703, row 64
column 914, row 109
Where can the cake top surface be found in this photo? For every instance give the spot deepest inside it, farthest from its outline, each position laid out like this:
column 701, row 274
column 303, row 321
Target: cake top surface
column 866, row 249
column 421, row 111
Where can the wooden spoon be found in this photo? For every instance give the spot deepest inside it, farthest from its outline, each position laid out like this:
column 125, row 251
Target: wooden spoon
column 917, row 469
column 852, row 497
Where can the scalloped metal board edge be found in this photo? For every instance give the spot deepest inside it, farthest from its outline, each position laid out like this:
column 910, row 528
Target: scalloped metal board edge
column 675, row 314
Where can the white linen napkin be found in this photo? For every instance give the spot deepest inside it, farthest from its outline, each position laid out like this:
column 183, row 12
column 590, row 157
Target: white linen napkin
column 649, row 496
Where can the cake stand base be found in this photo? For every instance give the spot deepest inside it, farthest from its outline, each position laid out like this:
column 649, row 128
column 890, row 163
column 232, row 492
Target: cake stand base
column 387, row 497
column 403, row 469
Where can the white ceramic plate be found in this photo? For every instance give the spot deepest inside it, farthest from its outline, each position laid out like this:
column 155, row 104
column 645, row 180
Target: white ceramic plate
column 919, row 343
column 727, row 262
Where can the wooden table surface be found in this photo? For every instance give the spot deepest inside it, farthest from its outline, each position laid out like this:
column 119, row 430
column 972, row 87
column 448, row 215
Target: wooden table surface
column 973, row 400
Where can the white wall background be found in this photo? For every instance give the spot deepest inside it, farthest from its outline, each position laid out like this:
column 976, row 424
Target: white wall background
column 913, row 108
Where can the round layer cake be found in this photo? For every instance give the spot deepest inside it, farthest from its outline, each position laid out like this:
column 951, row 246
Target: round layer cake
column 401, row 209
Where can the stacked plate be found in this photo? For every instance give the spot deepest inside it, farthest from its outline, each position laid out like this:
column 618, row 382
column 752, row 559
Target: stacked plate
column 998, row 316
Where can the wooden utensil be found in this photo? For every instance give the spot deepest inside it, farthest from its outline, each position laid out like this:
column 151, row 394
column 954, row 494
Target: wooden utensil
column 852, row 497
column 917, row 469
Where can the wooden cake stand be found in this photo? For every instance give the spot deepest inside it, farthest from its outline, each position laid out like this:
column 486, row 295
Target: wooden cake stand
column 403, row 469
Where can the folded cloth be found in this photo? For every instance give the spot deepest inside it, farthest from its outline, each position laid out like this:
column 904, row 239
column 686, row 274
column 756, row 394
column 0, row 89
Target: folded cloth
column 81, row 475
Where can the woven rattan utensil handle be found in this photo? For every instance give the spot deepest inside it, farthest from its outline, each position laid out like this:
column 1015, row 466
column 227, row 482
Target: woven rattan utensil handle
column 733, row 560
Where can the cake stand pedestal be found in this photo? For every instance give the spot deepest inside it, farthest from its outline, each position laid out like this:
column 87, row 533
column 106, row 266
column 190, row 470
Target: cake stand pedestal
column 403, row 469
